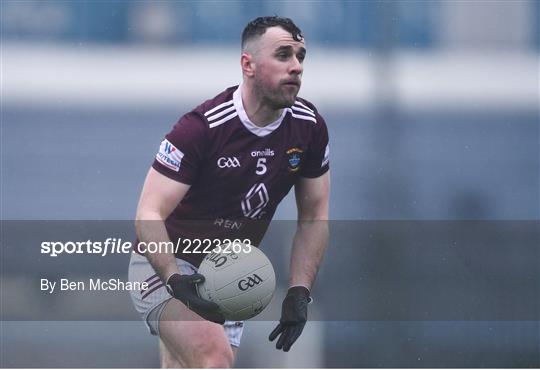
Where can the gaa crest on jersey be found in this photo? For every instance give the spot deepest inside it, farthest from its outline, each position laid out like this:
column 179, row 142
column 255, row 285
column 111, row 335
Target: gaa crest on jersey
column 228, row 162
column 169, row 155
column 294, row 157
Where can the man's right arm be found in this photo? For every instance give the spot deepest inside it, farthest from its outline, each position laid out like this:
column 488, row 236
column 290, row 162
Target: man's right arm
column 159, row 197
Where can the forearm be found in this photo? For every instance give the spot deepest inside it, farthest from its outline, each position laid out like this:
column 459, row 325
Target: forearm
column 151, row 228
column 309, row 246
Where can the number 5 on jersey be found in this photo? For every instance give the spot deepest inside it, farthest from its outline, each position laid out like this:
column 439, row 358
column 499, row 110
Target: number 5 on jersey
column 261, row 166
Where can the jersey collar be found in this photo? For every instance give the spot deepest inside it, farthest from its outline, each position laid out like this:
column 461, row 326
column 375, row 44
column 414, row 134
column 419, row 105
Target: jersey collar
column 254, row 129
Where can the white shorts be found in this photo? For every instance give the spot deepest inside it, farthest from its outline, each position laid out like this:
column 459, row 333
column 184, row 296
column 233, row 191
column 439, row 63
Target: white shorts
column 151, row 302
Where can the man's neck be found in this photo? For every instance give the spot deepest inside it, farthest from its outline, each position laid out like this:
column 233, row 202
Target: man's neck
column 258, row 112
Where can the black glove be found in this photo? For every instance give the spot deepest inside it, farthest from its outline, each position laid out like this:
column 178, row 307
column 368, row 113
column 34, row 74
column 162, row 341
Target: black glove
column 182, row 287
column 293, row 317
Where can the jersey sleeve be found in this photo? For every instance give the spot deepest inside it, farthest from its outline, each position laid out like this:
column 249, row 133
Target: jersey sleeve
column 317, row 160
column 182, row 151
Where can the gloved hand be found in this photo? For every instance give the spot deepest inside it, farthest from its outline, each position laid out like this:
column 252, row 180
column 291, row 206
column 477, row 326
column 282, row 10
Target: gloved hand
column 182, row 287
column 293, row 318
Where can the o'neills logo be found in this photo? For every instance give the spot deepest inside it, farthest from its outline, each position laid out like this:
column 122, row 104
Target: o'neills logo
column 263, row 153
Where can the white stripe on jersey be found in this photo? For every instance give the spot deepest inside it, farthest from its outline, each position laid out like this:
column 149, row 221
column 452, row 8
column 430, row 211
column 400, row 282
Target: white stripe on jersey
column 303, row 111
column 303, row 106
column 222, row 113
column 326, row 158
column 227, row 103
column 221, row 121
column 299, row 116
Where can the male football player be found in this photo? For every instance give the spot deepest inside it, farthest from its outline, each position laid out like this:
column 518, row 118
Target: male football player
column 229, row 162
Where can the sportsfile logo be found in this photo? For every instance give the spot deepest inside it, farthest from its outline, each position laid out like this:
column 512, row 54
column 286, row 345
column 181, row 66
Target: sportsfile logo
column 169, row 155
column 228, row 162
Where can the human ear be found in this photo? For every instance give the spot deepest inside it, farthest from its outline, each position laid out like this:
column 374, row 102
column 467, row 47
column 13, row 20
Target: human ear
column 248, row 64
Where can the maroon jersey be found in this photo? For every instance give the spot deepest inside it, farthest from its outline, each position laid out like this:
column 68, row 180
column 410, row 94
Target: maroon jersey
column 238, row 172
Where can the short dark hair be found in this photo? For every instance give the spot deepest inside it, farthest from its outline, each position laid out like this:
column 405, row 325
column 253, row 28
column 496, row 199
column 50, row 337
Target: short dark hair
column 258, row 27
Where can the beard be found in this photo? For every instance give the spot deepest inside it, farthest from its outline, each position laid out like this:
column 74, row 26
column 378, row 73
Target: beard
column 279, row 96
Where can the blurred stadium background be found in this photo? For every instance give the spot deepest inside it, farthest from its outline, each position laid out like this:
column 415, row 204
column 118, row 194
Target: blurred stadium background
column 433, row 112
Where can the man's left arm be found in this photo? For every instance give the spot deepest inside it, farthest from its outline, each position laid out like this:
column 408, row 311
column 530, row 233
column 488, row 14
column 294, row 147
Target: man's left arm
column 311, row 236
column 309, row 245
